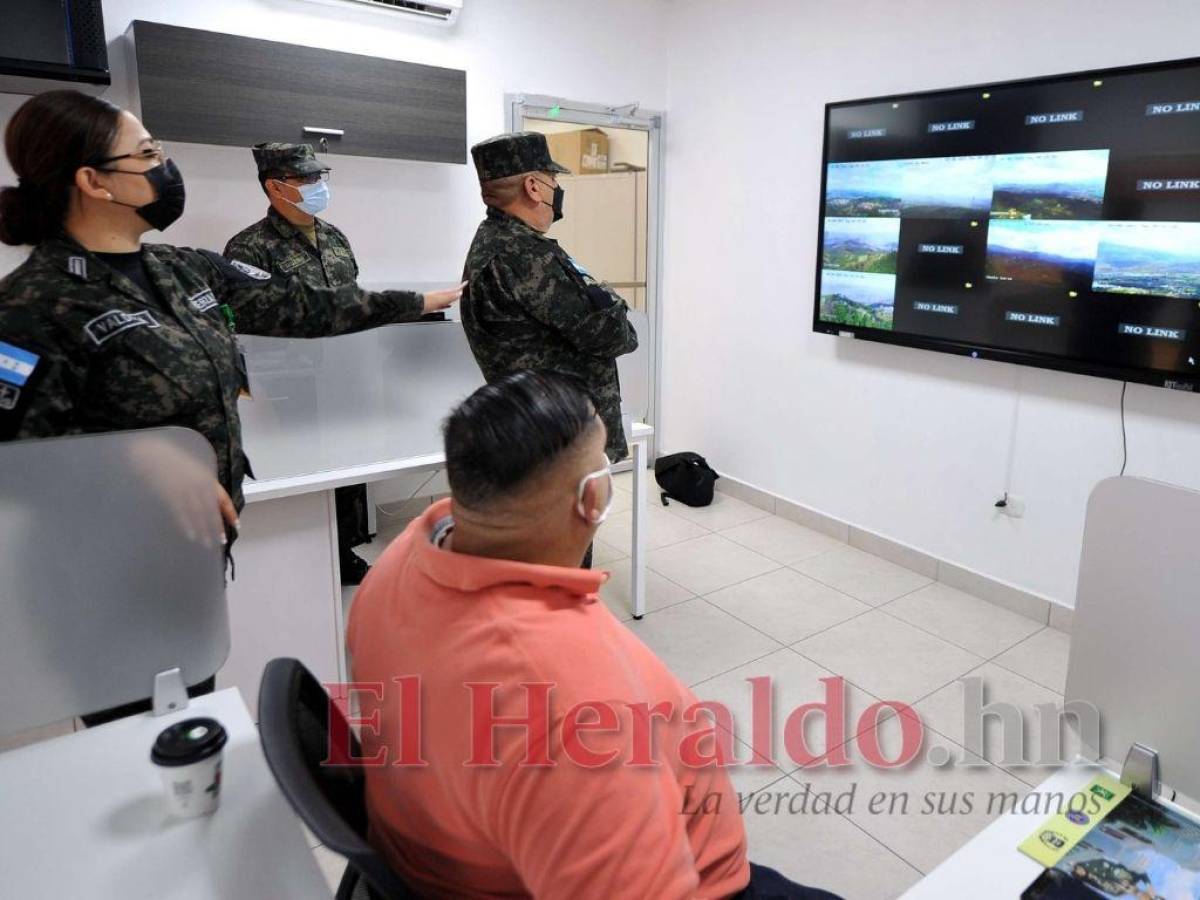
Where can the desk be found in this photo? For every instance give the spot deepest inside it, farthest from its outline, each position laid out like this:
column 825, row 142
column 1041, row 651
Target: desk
column 83, row 817
column 287, row 598
column 989, row 866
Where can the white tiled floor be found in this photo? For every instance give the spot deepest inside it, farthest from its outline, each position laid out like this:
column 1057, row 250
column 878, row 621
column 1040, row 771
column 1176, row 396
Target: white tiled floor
column 735, row 593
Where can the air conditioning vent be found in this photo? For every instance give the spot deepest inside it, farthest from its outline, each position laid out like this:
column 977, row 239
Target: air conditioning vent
column 440, row 11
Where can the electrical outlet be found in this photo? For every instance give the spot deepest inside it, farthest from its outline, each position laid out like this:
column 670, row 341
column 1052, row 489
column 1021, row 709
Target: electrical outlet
column 1014, row 507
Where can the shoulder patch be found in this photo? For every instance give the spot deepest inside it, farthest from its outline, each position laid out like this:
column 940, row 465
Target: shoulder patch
column 16, row 366
column 250, row 271
column 110, row 324
column 578, row 268
column 77, row 266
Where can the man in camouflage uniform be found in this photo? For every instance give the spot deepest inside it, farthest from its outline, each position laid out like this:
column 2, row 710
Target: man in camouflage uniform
column 289, row 241
column 528, row 304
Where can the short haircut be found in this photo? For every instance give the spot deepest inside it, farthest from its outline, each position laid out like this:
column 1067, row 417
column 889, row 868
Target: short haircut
column 500, row 192
column 510, row 430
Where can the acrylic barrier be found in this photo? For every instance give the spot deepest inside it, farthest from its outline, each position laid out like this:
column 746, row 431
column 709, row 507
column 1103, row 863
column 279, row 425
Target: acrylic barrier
column 333, row 403
column 1133, row 639
column 111, row 571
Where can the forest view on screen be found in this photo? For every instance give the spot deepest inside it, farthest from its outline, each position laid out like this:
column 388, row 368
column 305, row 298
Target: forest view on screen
column 1054, row 222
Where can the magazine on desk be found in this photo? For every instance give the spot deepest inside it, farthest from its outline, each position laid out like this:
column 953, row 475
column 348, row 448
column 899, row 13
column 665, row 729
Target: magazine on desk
column 1111, row 843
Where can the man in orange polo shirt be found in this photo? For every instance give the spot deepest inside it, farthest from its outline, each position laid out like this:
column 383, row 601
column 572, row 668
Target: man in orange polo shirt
column 552, row 758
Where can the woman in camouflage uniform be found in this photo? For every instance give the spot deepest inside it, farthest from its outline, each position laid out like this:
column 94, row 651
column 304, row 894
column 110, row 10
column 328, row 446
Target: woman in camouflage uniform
column 100, row 332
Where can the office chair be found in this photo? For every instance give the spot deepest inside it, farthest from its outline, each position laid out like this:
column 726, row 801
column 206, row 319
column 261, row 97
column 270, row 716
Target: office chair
column 293, row 725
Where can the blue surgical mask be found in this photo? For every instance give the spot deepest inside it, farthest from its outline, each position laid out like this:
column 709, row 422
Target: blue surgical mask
column 313, row 197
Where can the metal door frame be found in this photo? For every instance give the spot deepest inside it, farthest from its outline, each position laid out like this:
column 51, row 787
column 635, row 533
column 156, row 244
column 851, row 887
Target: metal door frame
column 518, row 107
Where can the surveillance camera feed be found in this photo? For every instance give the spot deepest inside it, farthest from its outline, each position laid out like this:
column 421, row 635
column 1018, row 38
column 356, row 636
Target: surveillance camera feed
column 1054, row 222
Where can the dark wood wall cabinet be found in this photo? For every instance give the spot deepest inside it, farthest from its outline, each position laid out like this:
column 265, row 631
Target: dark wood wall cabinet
column 204, row 87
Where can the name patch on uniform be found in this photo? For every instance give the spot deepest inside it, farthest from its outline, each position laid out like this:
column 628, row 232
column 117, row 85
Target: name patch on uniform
column 16, row 365
column 112, row 323
column 291, row 264
column 203, row 301
column 250, row 271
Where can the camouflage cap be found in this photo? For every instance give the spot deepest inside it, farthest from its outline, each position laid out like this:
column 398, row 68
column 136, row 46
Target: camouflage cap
column 514, row 154
column 273, row 158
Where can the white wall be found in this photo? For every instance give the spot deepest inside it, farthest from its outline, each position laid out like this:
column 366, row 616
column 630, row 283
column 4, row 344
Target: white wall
column 908, row 443
column 407, row 221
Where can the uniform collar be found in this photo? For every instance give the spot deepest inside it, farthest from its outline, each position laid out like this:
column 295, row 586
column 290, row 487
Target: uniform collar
column 64, row 254
column 469, row 574
column 511, row 222
column 286, row 229
column 67, row 255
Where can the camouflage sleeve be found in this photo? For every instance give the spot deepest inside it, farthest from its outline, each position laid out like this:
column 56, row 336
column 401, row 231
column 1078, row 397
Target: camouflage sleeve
column 40, row 386
column 269, row 305
column 247, row 251
column 342, row 235
column 591, row 317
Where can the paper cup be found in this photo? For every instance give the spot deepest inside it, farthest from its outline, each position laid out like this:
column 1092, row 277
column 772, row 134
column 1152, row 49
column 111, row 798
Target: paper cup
column 189, row 756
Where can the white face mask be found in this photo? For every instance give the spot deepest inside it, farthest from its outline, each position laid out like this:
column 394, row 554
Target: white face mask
column 606, row 472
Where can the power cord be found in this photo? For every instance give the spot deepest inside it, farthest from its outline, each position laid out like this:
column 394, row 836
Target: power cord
column 1124, row 434
column 379, row 510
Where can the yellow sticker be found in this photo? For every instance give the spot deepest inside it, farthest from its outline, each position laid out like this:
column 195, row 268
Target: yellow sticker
column 1085, row 809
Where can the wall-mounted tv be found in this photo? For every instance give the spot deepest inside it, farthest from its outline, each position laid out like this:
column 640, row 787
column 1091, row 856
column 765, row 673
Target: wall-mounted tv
column 1053, row 222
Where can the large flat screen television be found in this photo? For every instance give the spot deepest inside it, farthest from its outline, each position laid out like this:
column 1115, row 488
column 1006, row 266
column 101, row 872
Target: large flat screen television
column 1052, row 221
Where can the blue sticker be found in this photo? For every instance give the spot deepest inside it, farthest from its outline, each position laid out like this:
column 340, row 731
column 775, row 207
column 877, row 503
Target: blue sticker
column 16, row 365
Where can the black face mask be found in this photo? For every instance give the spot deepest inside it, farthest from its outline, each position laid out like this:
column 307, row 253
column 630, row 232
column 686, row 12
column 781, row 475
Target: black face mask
column 557, row 205
column 169, row 195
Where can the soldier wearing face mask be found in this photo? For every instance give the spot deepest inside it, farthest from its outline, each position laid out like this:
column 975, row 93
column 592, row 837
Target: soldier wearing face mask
column 291, row 241
column 528, row 304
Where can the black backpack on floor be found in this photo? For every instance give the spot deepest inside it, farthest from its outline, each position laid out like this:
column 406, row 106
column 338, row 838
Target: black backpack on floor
column 685, row 477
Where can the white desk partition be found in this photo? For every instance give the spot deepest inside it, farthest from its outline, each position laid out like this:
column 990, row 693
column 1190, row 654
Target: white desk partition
column 111, row 571
column 343, row 402
column 358, row 399
column 1137, row 624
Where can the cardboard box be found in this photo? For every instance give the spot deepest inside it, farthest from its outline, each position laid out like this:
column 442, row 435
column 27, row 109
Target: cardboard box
column 584, row 152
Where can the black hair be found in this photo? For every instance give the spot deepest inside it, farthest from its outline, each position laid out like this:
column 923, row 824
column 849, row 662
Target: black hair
column 48, row 139
column 510, row 430
column 264, row 177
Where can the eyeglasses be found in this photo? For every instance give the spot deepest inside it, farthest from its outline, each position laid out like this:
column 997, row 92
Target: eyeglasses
column 314, row 178
column 154, row 153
